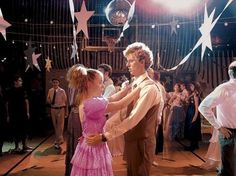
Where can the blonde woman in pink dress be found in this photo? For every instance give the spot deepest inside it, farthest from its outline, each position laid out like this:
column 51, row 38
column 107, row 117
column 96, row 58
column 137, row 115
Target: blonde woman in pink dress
column 94, row 160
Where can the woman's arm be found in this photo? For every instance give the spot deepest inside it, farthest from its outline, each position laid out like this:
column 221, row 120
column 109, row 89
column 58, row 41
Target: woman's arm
column 117, row 105
column 196, row 104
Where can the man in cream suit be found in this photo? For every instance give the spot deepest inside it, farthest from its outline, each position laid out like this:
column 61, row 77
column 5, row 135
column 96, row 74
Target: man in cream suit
column 139, row 126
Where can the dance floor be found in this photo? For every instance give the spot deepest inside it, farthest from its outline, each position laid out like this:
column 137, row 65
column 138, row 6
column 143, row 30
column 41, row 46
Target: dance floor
column 44, row 160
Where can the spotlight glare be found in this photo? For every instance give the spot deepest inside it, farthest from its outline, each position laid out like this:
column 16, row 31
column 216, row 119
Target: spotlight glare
column 178, row 5
column 226, row 24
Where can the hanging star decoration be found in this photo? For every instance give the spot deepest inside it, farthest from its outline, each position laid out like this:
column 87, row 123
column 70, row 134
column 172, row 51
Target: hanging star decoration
column 32, row 62
column 31, row 57
column 205, row 39
column 48, row 64
column 3, row 25
column 205, row 30
column 82, row 18
column 35, row 60
column 173, row 25
column 28, row 53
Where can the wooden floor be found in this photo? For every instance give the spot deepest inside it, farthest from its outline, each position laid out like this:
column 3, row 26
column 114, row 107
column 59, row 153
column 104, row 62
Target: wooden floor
column 44, row 160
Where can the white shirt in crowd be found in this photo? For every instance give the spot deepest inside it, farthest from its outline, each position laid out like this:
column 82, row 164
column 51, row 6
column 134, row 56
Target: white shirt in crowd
column 224, row 99
column 109, row 88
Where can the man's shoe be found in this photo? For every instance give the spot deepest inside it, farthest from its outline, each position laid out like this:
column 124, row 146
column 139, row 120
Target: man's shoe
column 27, row 148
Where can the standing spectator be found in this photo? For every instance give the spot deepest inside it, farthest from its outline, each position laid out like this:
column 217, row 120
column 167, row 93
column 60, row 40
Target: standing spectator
column 224, row 99
column 58, row 100
column 74, row 129
column 193, row 121
column 177, row 115
column 3, row 119
column 18, row 114
column 108, row 83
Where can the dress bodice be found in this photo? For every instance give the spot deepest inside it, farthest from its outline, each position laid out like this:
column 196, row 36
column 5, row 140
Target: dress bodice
column 94, row 115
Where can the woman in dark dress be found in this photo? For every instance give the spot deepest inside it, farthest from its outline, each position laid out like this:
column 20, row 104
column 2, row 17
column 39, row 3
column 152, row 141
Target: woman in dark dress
column 193, row 120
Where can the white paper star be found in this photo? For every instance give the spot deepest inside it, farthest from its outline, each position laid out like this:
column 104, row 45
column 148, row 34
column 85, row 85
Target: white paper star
column 205, row 39
column 173, row 25
column 48, row 64
column 3, row 25
column 82, row 18
column 205, row 30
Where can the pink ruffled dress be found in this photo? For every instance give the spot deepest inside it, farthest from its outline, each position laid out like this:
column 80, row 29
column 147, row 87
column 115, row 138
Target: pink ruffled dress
column 92, row 160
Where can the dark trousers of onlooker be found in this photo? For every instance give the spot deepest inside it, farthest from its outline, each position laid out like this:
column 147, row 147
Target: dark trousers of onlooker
column 228, row 154
column 159, row 140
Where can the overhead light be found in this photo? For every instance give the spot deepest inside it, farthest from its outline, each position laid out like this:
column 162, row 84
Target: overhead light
column 3, row 60
column 179, row 5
